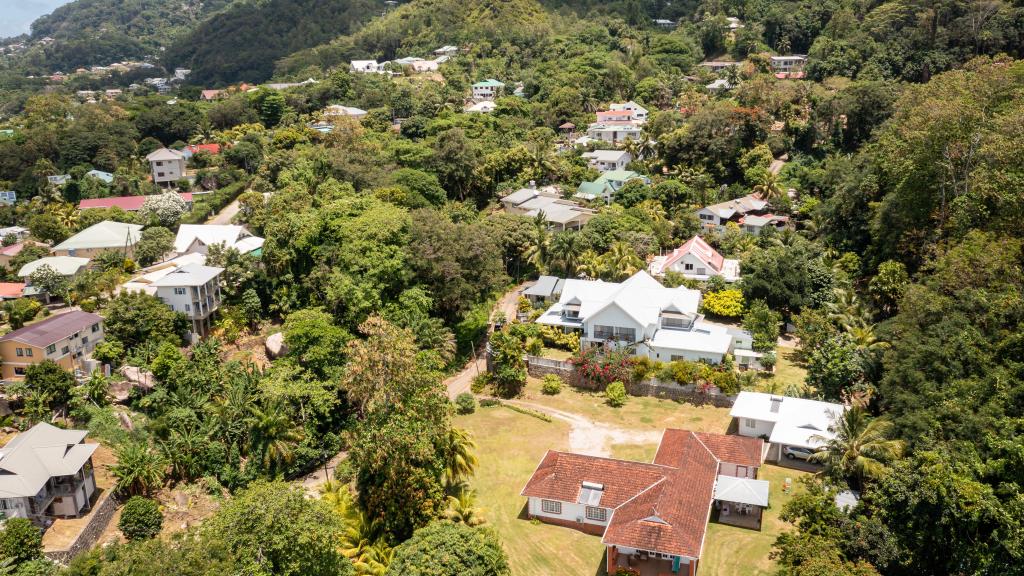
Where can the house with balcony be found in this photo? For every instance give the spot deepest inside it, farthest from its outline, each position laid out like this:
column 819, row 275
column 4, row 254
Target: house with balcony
column 750, row 213
column 697, row 260
column 788, row 66
column 46, row 473
column 652, row 517
column 488, row 89
column 641, row 316
column 67, row 339
column 608, row 160
column 193, row 290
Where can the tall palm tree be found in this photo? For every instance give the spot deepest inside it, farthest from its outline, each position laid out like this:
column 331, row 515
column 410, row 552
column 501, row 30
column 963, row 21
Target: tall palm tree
column 537, row 253
column 66, row 213
column 767, row 187
column 566, row 248
column 861, row 446
column 273, row 436
column 621, row 261
column 590, row 266
column 460, row 462
column 361, row 540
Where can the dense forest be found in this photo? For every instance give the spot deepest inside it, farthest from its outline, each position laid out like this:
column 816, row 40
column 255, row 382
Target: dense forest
column 900, row 274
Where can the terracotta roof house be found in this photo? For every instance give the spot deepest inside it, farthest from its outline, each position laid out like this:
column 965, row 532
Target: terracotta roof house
column 126, row 203
column 653, row 516
column 11, row 290
column 191, row 149
column 696, row 259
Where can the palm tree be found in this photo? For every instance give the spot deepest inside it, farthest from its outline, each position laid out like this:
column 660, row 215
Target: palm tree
column 361, row 540
column 537, row 253
column 462, row 510
column 273, row 436
column 590, row 266
column 460, row 462
column 230, row 413
column 139, row 468
column 767, row 187
column 566, row 248
column 860, row 448
column 66, row 213
column 621, row 261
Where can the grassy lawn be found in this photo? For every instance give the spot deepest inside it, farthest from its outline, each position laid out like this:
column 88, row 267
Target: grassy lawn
column 788, row 373
column 509, row 446
column 729, row 550
column 556, row 354
column 639, row 413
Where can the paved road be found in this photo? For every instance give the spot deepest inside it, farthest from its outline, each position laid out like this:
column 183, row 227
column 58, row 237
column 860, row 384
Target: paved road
column 776, row 166
column 460, row 382
column 226, row 214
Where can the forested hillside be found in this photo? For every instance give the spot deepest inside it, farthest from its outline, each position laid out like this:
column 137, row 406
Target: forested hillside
column 243, row 42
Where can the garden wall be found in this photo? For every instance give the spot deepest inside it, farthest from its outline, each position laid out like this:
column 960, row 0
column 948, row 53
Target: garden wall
column 539, row 367
column 92, row 531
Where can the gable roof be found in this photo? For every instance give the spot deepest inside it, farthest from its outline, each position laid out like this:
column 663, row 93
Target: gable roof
column 126, row 203
column 31, row 458
column 189, row 275
column 741, row 205
column 489, row 83
column 52, row 329
column 105, row 234
column 208, row 234
column 64, row 265
column 796, row 420
column 700, row 250
column 663, row 506
column 162, row 154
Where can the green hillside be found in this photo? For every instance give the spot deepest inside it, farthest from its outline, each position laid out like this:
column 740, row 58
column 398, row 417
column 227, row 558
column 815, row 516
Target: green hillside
column 242, row 42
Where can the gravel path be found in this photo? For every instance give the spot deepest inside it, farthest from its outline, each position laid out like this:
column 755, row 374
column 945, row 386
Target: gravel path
column 593, row 438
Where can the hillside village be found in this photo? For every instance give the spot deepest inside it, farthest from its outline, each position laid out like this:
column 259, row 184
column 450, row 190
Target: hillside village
column 430, row 288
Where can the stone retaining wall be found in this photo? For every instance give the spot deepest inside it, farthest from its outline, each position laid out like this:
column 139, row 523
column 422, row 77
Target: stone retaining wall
column 87, row 538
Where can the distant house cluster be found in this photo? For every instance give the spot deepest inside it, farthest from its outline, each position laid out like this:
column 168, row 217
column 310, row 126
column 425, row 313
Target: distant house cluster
column 414, row 63
column 622, row 121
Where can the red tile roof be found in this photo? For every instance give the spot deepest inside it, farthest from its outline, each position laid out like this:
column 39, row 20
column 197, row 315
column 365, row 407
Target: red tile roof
column 11, row 289
column 662, row 507
column 701, row 250
column 211, row 148
column 13, row 249
column 126, row 203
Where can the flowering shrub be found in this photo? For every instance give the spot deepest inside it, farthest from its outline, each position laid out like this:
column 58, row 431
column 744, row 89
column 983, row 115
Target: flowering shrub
column 603, row 365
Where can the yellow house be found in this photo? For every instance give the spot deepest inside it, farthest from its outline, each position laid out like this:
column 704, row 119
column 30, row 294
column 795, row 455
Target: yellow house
column 101, row 237
column 64, row 338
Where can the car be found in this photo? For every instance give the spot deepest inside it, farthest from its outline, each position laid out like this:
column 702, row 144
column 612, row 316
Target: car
column 795, row 452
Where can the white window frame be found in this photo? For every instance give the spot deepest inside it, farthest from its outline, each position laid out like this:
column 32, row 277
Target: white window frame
column 551, row 506
column 597, row 513
column 750, row 423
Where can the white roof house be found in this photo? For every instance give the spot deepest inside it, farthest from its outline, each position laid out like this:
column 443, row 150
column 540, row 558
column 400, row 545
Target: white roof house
column 483, row 107
column 164, row 155
column 366, row 67
column 199, row 237
column 64, row 265
column 100, row 236
column 605, row 160
column 189, row 275
column 44, row 451
column 339, row 110
column 558, row 213
column 662, row 323
column 144, row 281
column 741, row 490
column 786, row 420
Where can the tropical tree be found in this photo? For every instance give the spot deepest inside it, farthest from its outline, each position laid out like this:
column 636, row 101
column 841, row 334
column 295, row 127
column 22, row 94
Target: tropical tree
column 566, row 249
column 621, row 261
column 460, row 462
column 861, row 446
column 537, row 252
column 140, row 470
column 462, row 510
column 273, row 436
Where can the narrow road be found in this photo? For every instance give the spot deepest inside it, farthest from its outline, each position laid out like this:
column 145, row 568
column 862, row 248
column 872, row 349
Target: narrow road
column 460, row 382
column 226, row 214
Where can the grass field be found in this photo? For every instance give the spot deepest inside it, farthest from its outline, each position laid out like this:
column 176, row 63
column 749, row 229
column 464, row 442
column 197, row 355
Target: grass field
column 510, row 445
column 639, row 413
column 789, row 375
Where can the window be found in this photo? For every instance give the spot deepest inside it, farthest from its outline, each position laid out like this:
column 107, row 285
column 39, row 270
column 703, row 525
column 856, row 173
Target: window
column 65, row 350
column 701, row 271
column 28, row 352
column 85, row 339
column 179, row 291
column 73, row 336
column 51, row 348
column 595, row 513
column 750, row 423
column 95, row 327
column 687, row 267
column 19, row 352
column 616, row 333
column 188, row 308
column 551, row 506
column 159, row 163
column 19, row 370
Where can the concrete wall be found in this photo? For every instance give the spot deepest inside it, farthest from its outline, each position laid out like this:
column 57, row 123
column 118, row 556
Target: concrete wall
column 760, row 427
column 91, row 533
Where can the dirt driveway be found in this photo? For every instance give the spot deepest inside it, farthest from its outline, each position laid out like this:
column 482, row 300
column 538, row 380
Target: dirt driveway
column 593, row 438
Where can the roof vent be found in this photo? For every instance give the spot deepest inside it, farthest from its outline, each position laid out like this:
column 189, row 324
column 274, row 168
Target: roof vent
column 776, row 403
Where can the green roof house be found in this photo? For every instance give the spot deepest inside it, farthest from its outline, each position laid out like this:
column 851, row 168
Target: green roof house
column 487, row 89
column 607, row 184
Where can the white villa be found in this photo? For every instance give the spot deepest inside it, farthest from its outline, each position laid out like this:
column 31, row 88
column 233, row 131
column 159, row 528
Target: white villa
column 166, row 165
column 785, row 421
column 749, row 212
column 696, row 259
column 194, row 290
column 658, row 322
column 45, row 473
column 636, row 112
column 339, row 111
column 199, row 237
column 788, row 64
column 366, row 67
column 482, row 107
column 652, row 517
column 606, row 160
column 488, row 89
column 558, row 213
column 614, row 131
